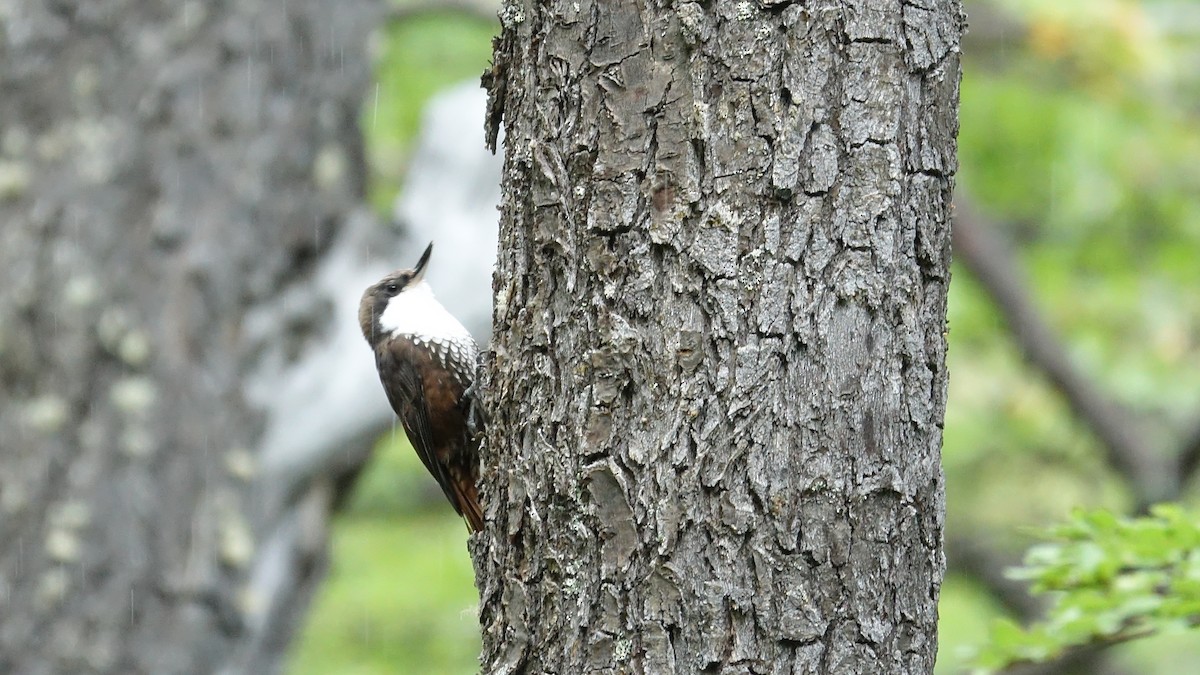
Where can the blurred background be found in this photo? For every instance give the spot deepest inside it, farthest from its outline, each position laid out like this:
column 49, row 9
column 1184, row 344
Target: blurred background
column 1074, row 315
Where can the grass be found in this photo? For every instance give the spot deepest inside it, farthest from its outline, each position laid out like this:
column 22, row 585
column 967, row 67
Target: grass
column 400, row 598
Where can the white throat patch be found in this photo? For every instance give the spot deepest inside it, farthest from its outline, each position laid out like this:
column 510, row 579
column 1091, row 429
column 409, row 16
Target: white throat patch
column 417, row 313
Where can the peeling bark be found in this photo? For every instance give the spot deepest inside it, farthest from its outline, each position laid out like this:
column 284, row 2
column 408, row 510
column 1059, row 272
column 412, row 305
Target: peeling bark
column 718, row 373
column 165, row 170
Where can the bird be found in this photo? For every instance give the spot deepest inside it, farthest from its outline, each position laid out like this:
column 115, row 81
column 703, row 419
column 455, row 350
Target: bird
column 427, row 362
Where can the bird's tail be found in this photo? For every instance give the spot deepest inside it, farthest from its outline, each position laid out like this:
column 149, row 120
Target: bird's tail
column 467, row 497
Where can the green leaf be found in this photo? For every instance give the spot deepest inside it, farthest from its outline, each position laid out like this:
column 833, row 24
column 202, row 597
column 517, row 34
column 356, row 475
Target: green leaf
column 1109, row 579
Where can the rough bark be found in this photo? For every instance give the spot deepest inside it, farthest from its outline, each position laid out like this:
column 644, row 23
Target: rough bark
column 166, row 169
column 718, row 378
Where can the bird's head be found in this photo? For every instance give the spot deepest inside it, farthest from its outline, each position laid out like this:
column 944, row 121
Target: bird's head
column 395, row 301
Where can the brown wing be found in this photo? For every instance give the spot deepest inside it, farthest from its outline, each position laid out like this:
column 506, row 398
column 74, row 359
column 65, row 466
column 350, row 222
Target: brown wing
column 431, row 405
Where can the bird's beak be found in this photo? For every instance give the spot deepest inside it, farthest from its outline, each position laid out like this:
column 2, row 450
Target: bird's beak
column 419, row 270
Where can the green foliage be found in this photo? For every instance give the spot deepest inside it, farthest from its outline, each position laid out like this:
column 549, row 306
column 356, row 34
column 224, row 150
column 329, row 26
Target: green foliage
column 417, row 57
column 1092, row 173
column 967, row 612
column 400, row 598
column 395, row 482
column 1079, row 139
column 1110, row 579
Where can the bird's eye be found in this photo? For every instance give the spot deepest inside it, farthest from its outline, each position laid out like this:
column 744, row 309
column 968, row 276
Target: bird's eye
column 392, row 288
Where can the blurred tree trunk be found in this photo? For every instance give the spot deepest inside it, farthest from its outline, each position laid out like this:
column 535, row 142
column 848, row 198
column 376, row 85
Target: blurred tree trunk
column 165, row 170
column 719, row 354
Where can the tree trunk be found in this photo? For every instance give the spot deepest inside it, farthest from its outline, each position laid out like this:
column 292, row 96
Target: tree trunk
column 719, row 342
column 166, row 170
